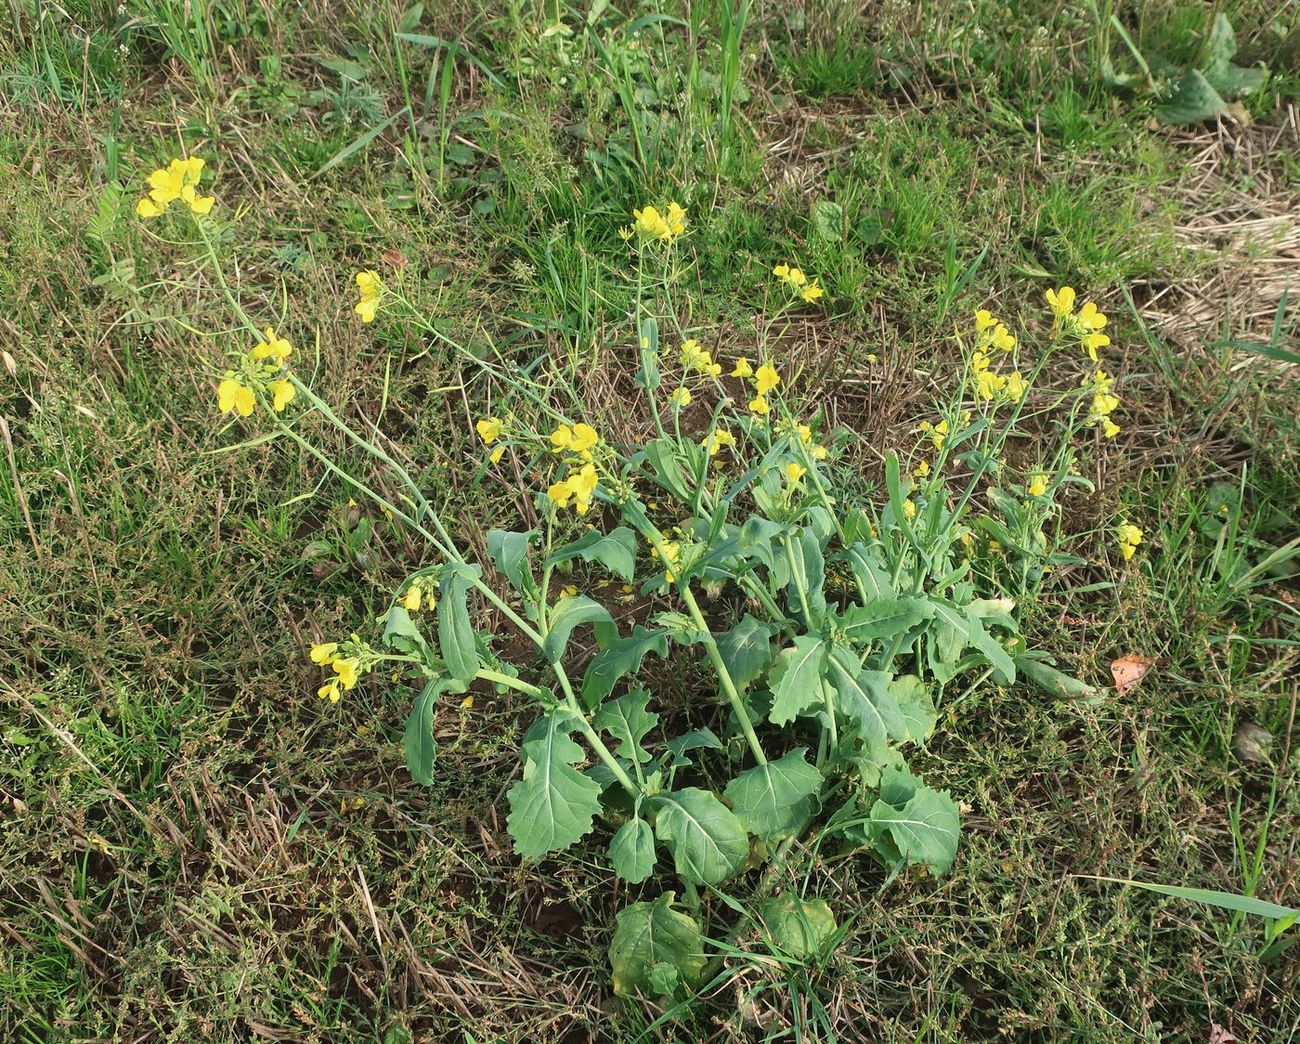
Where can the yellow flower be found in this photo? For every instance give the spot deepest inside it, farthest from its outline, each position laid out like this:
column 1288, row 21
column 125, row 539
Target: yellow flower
column 758, row 404
column 1002, row 338
column 1129, row 537
column 980, row 361
column 625, row 233
column 272, row 347
column 984, row 319
column 782, row 272
column 1037, row 485
column 1015, row 386
column 175, row 181
column 329, row 691
column 1090, row 318
column 323, row 653
column 496, row 455
column 489, row 429
column 765, row 379
column 583, row 485
column 282, row 393
column 713, row 443
column 681, row 397
column 796, row 278
column 1062, row 301
column 937, row 432
column 1109, row 428
column 560, row 493
column 794, row 472
column 818, row 452
column 1091, row 342
column 371, row 291
column 743, row 368
column 232, row 395
column 347, row 670
column 670, row 557
column 812, row 292
column 805, row 433
column 676, row 219
column 909, row 508
column 922, row 469
column 988, row 384
column 577, row 439
column 411, row 600
column 650, row 224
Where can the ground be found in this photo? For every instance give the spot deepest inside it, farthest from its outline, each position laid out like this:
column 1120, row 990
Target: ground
column 194, row 847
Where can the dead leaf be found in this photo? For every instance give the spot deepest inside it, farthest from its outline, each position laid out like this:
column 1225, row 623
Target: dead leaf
column 1219, row 1035
column 1129, row 670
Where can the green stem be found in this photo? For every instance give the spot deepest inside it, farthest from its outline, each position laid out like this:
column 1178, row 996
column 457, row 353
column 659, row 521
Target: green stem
column 510, row 682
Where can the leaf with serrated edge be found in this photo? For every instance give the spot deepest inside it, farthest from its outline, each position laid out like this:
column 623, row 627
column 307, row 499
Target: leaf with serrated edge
column 775, row 800
column 554, row 804
column 796, row 679
column 510, row 553
column 628, row 721
column 707, row 840
column 647, row 934
column 632, row 851
column 570, row 613
column 924, row 830
column 746, row 649
column 864, row 696
column 915, row 707
column 799, row 927
column 883, row 619
column 617, row 658
column 615, row 550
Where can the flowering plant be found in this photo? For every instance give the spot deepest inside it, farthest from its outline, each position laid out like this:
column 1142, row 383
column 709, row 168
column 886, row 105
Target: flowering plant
column 829, row 625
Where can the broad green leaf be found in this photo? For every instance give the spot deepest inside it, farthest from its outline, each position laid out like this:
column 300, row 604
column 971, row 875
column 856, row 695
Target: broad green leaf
column 828, row 220
column 628, row 721
column 616, row 551
column 915, row 708
column 707, row 840
column 569, row 613
column 649, row 934
column 1231, row 81
column 759, row 536
column 808, row 570
column 401, row 635
column 554, row 804
column 864, row 696
column 776, row 800
column 455, row 632
column 696, row 739
column 1050, row 680
column 869, row 572
column 883, row 619
column 510, row 553
column 747, row 649
column 796, row 679
column 992, row 650
column 663, row 461
column 663, row 979
column 617, row 658
column 1194, row 101
column 632, row 851
column 417, row 741
column 799, row 927
column 949, row 636
column 924, row 830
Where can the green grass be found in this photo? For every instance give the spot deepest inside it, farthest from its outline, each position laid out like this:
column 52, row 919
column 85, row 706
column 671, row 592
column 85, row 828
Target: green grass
column 177, row 859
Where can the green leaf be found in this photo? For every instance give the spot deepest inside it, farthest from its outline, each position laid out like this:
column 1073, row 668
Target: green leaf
column 648, row 376
column 1246, row 904
column 747, row 649
column 650, row 934
column 796, row 679
column 776, row 800
column 663, row 461
column 510, row 553
column 828, row 220
column 632, row 851
column 569, row 613
column 924, row 830
column 707, row 840
column 1232, row 82
column 554, row 804
column 455, row 632
column 418, row 742
column 869, row 571
column 619, row 657
column 865, row 697
column 799, row 927
column 915, row 708
column 696, row 739
column 401, row 635
column 616, row 551
column 992, row 649
column 1052, row 681
column 883, row 619
column 1194, row 101
column 663, row 978
column 808, row 570
column 628, row 721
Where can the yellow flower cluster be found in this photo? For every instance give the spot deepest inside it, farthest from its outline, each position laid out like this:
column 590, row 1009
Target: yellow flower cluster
column 264, row 369
column 681, row 397
column 992, row 335
column 420, row 594
column 579, row 441
column 371, row 290
column 698, row 359
column 721, row 437
column 491, row 429
column 671, row 557
column 649, row 224
column 178, row 180
column 764, row 379
column 1104, row 402
column 1086, row 324
column 797, row 280
column 347, row 660
column 1128, row 536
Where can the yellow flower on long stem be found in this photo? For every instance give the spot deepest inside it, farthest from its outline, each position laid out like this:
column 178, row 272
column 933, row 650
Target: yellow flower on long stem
column 1061, row 301
column 681, row 397
column 794, row 472
column 271, row 347
column 232, row 395
column 372, row 290
column 759, row 404
column 579, row 438
column 323, row 653
column 1037, row 485
column 282, row 393
column 812, row 292
column 489, row 429
column 348, row 670
column 743, row 369
column 177, row 180
column 765, row 379
column 1129, row 537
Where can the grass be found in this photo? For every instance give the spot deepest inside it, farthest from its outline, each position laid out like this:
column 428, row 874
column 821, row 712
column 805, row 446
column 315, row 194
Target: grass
column 195, row 848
